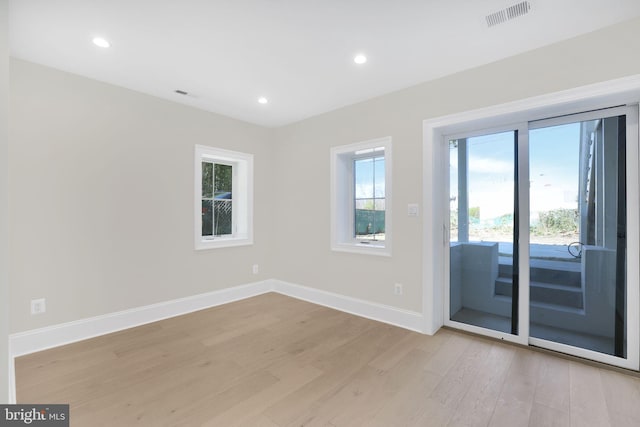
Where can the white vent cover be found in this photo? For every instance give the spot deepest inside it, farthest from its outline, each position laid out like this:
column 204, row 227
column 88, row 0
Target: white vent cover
column 508, row 14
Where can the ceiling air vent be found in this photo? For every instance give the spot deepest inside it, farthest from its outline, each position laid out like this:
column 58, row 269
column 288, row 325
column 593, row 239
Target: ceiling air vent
column 496, row 18
column 508, row 14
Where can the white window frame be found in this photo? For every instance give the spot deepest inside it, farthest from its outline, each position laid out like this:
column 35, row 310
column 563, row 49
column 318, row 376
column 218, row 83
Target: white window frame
column 342, row 199
column 242, row 199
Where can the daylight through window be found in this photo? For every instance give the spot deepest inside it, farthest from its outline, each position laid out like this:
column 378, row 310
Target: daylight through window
column 217, row 199
column 361, row 197
column 224, row 198
column 369, row 190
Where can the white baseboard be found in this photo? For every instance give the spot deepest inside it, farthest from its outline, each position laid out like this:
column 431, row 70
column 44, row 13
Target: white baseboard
column 35, row 340
column 406, row 319
column 65, row 333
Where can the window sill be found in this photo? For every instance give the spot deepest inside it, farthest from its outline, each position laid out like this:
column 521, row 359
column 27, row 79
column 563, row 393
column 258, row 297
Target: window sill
column 362, row 248
column 223, row 242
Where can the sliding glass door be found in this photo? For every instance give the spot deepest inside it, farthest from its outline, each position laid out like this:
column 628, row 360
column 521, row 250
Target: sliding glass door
column 578, row 229
column 483, row 256
column 538, row 226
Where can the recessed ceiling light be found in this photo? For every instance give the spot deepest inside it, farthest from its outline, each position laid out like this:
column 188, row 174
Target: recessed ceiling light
column 360, row 59
column 99, row 41
column 263, row 100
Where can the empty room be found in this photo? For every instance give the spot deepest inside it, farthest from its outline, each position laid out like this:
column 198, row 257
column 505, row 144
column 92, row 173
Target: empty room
column 319, row 213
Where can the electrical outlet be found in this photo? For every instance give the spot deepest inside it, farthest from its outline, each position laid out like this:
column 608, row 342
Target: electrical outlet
column 397, row 289
column 38, row 306
column 256, row 269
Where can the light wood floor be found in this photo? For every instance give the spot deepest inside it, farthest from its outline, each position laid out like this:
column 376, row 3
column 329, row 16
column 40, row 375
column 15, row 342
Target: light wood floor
column 276, row 361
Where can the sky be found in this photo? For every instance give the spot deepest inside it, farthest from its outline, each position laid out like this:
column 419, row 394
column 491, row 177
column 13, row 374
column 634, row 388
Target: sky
column 554, row 162
column 369, row 178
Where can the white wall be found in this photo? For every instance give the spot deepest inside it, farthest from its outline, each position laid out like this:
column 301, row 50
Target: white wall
column 4, row 221
column 303, row 158
column 101, row 183
column 101, row 198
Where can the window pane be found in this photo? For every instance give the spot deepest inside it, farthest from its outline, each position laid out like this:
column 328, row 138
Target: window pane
column 223, row 222
column 577, row 228
column 483, row 274
column 363, row 170
column 223, row 180
column 367, row 204
column 365, row 220
column 378, row 222
column 369, row 218
column 207, row 218
column 369, row 215
column 207, row 180
column 379, row 177
column 453, row 190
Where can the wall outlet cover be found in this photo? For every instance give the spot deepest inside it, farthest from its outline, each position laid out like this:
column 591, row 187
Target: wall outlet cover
column 38, row 306
column 397, row 289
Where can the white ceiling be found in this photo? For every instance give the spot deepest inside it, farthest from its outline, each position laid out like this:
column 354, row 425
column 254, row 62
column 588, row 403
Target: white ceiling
column 297, row 53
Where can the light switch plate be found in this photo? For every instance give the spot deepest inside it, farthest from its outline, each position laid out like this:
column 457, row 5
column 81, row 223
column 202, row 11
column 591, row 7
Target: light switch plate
column 412, row 209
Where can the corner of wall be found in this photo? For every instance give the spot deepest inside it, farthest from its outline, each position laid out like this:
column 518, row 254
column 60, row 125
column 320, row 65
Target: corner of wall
column 5, row 369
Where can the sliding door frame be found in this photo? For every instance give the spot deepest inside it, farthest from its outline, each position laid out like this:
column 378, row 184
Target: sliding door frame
column 632, row 302
column 521, row 305
column 616, row 92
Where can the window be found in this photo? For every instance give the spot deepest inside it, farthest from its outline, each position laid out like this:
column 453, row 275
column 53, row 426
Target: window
column 361, row 197
column 223, row 198
column 369, row 191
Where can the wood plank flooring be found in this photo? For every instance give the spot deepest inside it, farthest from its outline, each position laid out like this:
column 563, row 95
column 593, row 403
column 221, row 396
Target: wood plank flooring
column 274, row 361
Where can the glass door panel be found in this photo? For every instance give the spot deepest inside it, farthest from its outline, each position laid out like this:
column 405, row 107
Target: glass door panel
column 577, row 228
column 482, row 200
